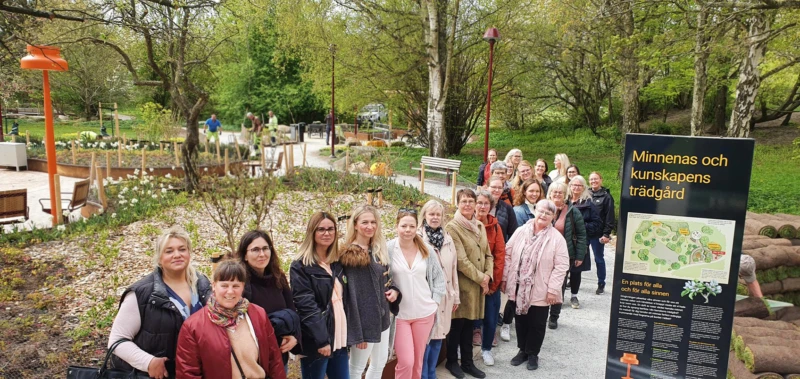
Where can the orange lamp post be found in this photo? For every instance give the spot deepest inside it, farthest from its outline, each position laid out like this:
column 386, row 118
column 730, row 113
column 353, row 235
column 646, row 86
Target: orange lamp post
column 629, row 359
column 47, row 58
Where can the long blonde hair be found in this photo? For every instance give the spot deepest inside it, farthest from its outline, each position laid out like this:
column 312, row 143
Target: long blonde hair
column 161, row 246
column 308, row 249
column 377, row 242
column 517, row 181
column 418, row 241
column 564, row 163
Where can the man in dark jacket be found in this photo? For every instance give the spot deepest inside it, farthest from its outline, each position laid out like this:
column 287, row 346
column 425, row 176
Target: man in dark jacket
column 604, row 203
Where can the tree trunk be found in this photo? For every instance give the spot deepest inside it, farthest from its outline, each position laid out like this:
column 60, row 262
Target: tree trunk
column 435, row 117
column 749, row 76
column 720, row 109
column 190, row 151
column 700, row 73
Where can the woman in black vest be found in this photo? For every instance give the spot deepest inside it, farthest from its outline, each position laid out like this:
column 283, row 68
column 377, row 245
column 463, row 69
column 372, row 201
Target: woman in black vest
column 153, row 309
column 268, row 288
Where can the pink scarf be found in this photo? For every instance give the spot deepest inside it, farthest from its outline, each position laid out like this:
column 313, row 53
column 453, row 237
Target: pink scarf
column 471, row 225
column 524, row 263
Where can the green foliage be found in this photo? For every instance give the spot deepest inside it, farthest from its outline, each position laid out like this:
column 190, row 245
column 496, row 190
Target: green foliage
column 325, row 181
column 158, row 123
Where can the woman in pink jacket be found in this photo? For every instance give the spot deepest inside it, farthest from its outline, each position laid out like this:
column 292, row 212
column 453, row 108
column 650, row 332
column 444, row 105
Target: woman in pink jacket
column 536, row 262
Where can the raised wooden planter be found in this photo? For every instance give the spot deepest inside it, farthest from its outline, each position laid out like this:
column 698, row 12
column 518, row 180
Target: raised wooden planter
column 364, row 136
column 78, row 171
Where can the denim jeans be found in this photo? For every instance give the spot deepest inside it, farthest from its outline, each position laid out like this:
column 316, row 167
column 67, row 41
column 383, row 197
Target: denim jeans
column 431, row 359
column 337, row 366
column 490, row 314
column 598, row 249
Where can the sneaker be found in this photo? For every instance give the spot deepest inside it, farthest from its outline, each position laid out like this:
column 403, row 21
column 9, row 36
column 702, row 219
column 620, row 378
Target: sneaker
column 533, row 362
column 505, row 333
column 473, row 371
column 553, row 323
column 601, row 288
column 455, row 369
column 575, row 303
column 488, row 358
column 476, row 337
column 494, row 341
column 519, row 358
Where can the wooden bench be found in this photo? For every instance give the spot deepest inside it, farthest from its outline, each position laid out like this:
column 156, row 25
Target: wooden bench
column 13, row 206
column 438, row 166
column 78, row 199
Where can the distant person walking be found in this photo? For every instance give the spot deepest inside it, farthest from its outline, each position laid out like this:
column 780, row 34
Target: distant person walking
column 272, row 125
column 329, row 122
column 213, row 128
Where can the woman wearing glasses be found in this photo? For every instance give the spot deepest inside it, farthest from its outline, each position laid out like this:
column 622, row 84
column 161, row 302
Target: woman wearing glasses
column 524, row 172
column 497, row 246
column 581, row 199
column 268, row 288
column 475, row 264
column 418, row 274
column 513, row 159
column 318, row 291
column 537, row 260
column 370, row 292
column 569, row 222
column 432, row 232
column 503, row 211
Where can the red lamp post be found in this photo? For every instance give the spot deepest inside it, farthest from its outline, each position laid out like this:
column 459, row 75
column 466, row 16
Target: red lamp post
column 333, row 92
column 490, row 36
column 47, row 58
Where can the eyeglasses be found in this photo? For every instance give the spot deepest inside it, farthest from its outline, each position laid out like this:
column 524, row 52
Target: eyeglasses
column 326, row 230
column 576, row 185
column 467, row 202
column 544, row 213
column 495, row 187
column 482, row 204
column 259, row 250
column 554, row 193
column 407, row 210
column 518, row 156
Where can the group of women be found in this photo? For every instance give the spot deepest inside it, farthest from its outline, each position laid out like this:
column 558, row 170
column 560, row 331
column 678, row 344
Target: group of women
column 347, row 304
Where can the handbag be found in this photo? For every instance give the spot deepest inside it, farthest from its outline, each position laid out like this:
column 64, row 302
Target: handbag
column 79, row 372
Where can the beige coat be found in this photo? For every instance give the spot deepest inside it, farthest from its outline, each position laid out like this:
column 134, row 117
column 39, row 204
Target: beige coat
column 449, row 259
column 474, row 260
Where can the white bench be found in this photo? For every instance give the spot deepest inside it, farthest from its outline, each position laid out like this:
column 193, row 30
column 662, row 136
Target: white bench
column 439, row 166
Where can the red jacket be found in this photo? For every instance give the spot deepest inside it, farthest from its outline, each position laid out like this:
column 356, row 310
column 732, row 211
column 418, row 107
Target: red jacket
column 497, row 246
column 204, row 350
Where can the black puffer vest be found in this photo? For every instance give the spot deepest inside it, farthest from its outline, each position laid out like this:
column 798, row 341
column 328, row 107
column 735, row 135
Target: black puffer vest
column 161, row 320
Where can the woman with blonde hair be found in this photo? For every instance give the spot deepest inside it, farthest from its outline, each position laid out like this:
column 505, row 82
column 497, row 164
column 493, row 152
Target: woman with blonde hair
column 370, row 292
column 417, row 272
column 569, row 222
column 318, row 290
column 580, row 198
column 561, row 162
column 153, row 309
column 433, row 232
column 513, row 159
column 524, row 172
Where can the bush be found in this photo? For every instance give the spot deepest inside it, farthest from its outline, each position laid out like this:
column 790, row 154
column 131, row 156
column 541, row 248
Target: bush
column 159, row 123
column 666, row 128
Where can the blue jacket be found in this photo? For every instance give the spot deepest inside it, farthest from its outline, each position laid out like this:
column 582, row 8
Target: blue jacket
column 523, row 213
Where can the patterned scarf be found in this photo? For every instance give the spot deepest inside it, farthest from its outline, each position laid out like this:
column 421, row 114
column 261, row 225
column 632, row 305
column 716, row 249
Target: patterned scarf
column 225, row 317
column 526, row 259
column 435, row 236
column 471, row 225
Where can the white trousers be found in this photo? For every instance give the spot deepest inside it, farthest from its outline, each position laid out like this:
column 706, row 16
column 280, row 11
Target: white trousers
column 376, row 353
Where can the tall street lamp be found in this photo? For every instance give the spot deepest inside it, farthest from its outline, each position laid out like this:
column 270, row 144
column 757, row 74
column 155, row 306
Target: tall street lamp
column 333, row 92
column 47, row 58
column 490, row 36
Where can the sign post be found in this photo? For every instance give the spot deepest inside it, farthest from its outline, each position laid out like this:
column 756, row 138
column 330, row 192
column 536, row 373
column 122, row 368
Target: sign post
column 682, row 213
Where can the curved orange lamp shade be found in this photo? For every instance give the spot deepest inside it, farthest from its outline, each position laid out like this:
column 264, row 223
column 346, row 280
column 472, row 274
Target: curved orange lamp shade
column 46, row 58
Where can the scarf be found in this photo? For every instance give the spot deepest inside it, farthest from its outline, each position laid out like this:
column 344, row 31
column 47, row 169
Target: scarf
column 435, row 236
column 525, row 260
column 225, row 317
column 471, row 225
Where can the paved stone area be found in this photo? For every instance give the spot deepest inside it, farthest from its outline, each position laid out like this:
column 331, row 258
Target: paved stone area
column 38, row 188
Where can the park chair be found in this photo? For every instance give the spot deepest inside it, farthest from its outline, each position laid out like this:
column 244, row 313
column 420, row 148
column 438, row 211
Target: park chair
column 14, row 206
column 77, row 200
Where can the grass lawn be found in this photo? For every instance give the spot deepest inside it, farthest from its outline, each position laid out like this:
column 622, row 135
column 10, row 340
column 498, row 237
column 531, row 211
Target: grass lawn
column 774, row 186
column 71, row 129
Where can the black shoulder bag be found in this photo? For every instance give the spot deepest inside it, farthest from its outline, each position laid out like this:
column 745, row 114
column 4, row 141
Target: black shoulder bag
column 78, row 372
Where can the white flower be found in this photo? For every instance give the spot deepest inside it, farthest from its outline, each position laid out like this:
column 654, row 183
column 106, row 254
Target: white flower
column 61, row 227
column 84, row 219
column 65, row 212
column 136, row 172
column 100, row 211
column 173, row 167
column 113, row 215
column 170, row 186
column 102, row 145
column 155, row 197
column 134, row 201
column 123, row 201
column 120, row 196
column 151, row 169
column 168, row 175
column 163, row 190
column 135, row 188
column 205, row 169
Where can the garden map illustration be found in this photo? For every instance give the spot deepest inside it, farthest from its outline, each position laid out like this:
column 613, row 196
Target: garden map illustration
column 678, row 247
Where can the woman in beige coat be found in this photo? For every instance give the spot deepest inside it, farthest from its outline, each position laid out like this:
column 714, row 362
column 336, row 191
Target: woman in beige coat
column 432, row 232
column 475, row 264
column 536, row 262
